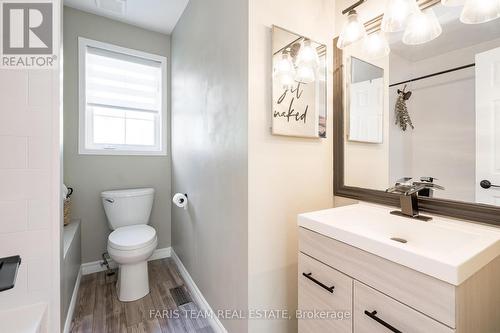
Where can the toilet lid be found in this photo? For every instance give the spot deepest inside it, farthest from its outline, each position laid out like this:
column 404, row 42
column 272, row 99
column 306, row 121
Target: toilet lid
column 132, row 237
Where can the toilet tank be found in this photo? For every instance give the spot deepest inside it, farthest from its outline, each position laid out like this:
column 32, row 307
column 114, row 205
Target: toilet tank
column 128, row 207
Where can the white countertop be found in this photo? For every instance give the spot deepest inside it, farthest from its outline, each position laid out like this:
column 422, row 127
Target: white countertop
column 447, row 249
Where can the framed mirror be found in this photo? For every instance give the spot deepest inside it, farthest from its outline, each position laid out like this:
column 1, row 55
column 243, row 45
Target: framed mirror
column 299, row 85
column 426, row 112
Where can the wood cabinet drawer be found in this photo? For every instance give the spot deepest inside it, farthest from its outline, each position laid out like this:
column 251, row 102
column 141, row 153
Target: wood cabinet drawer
column 324, row 292
column 422, row 292
column 375, row 312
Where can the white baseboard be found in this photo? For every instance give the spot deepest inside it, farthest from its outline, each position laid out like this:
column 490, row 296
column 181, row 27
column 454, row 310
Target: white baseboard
column 161, row 253
column 95, row 266
column 72, row 303
column 199, row 299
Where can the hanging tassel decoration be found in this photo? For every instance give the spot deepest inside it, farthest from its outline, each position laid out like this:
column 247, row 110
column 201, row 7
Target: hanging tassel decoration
column 403, row 118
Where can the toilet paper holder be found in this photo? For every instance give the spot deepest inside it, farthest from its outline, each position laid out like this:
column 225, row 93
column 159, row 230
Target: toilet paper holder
column 180, row 200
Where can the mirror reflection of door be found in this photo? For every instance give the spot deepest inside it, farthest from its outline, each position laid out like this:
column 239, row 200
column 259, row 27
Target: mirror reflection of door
column 366, row 103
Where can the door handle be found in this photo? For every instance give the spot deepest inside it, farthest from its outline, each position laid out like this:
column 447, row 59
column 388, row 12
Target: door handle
column 373, row 315
column 321, row 284
column 486, row 184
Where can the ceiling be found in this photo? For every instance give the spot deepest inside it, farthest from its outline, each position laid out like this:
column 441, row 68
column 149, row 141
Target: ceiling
column 455, row 35
column 156, row 15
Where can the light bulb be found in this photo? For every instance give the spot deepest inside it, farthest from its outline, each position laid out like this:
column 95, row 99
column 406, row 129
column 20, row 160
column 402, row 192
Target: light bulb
column 287, row 81
column 480, row 11
column 395, row 15
column 452, row 3
column 423, row 26
column 305, row 74
column 284, row 71
column 353, row 31
column 307, row 55
column 376, row 45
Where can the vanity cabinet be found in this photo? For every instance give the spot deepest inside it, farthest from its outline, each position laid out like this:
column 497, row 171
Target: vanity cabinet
column 374, row 310
column 323, row 288
column 383, row 296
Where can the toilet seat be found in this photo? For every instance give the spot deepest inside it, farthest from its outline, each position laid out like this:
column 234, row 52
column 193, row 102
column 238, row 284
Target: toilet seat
column 132, row 237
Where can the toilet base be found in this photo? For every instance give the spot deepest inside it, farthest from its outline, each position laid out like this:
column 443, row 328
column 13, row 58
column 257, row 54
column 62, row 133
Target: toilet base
column 133, row 281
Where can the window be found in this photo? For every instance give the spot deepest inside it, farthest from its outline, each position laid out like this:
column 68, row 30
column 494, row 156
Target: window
column 122, row 106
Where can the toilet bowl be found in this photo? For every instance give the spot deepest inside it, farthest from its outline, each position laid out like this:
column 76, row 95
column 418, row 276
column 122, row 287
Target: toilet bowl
column 132, row 241
column 130, row 247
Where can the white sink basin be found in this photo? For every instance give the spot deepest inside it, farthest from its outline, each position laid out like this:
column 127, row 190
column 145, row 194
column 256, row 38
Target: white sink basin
column 449, row 250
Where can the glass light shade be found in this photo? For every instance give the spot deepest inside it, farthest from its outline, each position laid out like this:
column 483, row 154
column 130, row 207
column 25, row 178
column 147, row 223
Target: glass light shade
column 284, row 71
column 305, row 74
column 307, row 55
column 353, row 31
column 480, row 11
column 395, row 15
column 452, row 3
column 376, row 45
column 423, row 26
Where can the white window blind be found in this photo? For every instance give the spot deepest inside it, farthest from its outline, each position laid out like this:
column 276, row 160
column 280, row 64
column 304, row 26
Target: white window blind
column 122, row 100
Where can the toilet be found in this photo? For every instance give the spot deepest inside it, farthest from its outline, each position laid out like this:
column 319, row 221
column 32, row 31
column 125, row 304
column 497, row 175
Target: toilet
column 132, row 241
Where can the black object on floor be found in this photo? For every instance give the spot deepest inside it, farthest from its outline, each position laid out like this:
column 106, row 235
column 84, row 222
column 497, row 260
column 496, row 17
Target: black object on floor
column 8, row 272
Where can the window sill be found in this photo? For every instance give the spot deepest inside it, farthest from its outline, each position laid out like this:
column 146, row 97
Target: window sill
column 122, row 153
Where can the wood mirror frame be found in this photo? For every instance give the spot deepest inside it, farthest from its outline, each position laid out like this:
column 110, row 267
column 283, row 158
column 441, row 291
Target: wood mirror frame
column 463, row 210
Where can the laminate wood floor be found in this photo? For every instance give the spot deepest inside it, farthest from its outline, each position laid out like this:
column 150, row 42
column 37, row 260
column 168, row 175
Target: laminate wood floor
column 98, row 309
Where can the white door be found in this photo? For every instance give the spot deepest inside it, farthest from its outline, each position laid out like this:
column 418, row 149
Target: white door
column 366, row 109
column 488, row 126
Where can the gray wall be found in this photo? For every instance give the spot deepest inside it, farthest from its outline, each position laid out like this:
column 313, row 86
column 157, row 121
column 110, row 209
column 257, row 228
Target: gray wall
column 210, row 150
column 91, row 174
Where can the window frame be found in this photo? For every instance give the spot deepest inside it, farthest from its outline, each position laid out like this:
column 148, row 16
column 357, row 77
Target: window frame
column 84, row 117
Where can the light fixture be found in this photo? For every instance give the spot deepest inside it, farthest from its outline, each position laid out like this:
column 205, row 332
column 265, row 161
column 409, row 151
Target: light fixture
column 376, row 45
column 308, row 56
column 353, row 30
column 422, row 27
column 452, row 3
column 395, row 15
column 480, row 11
column 306, row 63
column 284, row 71
column 305, row 74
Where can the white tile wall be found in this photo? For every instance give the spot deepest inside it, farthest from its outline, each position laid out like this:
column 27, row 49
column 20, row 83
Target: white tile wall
column 21, row 184
column 38, row 214
column 16, row 148
column 38, row 153
column 30, row 245
column 37, row 96
column 30, row 212
column 14, row 89
column 13, row 216
column 21, row 121
column 28, row 223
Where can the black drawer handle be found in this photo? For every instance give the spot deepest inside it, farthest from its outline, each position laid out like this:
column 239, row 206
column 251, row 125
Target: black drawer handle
column 309, row 276
column 373, row 315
